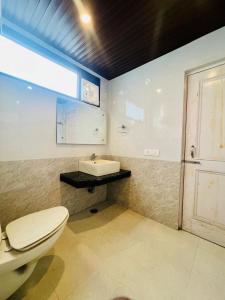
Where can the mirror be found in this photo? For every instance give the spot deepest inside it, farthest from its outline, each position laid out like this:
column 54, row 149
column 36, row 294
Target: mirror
column 80, row 123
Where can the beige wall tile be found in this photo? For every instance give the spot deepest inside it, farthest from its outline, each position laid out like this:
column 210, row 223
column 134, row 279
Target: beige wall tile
column 31, row 185
column 152, row 190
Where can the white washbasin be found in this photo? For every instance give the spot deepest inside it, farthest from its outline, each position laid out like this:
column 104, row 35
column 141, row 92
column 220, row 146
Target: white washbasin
column 99, row 167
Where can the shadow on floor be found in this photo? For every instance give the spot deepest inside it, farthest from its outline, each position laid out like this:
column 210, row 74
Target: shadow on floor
column 80, row 222
column 40, row 275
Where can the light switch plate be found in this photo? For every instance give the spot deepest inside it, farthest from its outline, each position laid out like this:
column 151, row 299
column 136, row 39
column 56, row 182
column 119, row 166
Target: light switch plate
column 151, row 152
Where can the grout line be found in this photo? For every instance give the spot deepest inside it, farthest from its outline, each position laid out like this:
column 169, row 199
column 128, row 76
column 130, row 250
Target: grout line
column 192, row 268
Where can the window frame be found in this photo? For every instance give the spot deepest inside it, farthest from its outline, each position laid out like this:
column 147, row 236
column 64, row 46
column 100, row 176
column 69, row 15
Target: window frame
column 92, row 79
column 62, row 61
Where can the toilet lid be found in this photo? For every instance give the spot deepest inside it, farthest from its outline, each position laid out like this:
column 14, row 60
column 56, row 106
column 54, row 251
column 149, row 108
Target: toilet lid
column 34, row 227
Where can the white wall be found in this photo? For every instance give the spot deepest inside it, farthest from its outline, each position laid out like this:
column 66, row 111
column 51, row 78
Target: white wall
column 149, row 100
column 28, row 123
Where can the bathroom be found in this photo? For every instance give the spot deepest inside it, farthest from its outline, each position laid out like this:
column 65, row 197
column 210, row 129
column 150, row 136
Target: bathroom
column 111, row 167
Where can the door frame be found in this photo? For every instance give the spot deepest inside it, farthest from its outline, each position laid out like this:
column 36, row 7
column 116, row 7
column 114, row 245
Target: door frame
column 207, row 66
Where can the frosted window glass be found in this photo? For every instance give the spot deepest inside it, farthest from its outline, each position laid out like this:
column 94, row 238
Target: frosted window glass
column 20, row 62
column 89, row 92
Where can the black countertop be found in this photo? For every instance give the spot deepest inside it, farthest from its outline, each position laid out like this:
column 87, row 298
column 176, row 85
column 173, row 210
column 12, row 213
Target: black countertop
column 82, row 180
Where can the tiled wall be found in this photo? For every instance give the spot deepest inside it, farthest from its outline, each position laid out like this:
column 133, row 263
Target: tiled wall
column 30, row 159
column 149, row 100
column 28, row 123
column 152, row 190
column 31, row 185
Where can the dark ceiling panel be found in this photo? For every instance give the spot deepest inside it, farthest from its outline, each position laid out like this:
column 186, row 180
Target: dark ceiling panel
column 125, row 33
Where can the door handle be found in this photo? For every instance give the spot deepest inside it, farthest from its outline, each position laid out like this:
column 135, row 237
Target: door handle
column 192, row 151
column 192, row 162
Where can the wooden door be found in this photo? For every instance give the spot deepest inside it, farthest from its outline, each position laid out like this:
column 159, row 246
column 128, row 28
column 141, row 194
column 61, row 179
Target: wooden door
column 204, row 175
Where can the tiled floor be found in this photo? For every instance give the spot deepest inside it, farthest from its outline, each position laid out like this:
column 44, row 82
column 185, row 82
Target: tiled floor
column 120, row 253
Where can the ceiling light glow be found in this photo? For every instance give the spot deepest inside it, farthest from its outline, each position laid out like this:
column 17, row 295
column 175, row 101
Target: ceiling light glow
column 85, row 18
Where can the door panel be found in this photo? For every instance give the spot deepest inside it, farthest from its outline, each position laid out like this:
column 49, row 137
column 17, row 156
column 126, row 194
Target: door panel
column 211, row 144
column 204, row 181
column 209, row 197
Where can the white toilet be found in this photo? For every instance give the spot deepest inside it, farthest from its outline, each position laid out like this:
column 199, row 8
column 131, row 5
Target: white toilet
column 24, row 242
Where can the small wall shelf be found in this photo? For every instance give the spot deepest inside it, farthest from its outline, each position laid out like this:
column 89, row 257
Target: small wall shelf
column 83, row 180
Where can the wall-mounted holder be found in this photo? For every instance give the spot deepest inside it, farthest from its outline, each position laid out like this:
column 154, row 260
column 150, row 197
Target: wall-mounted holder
column 123, row 129
column 83, row 180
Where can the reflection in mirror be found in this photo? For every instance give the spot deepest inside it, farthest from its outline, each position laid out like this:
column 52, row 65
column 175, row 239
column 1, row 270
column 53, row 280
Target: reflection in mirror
column 80, row 123
column 134, row 112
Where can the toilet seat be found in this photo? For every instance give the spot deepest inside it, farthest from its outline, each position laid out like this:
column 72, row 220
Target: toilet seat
column 30, row 230
column 37, row 233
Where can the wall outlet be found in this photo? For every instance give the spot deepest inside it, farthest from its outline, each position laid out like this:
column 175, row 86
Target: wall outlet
column 151, row 152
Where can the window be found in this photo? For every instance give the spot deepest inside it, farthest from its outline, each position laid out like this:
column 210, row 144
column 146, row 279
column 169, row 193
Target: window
column 89, row 88
column 23, row 63
column 20, row 62
column 89, row 92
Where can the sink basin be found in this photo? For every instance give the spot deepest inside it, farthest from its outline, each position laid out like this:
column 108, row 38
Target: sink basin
column 99, row 167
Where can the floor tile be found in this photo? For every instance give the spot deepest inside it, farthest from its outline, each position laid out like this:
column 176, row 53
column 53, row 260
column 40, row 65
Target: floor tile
column 208, row 275
column 118, row 252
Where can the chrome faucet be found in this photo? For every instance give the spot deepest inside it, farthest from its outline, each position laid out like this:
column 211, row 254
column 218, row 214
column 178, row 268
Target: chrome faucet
column 93, row 156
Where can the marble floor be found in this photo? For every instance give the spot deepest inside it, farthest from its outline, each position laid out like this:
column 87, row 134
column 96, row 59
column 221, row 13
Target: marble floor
column 118, row 252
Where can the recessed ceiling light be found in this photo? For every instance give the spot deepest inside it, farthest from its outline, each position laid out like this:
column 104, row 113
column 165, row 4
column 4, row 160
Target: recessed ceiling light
column 29, row 87
column 85, row 18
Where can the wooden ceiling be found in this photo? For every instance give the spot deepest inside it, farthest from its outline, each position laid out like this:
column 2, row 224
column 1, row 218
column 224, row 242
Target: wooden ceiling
column 125, row 33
